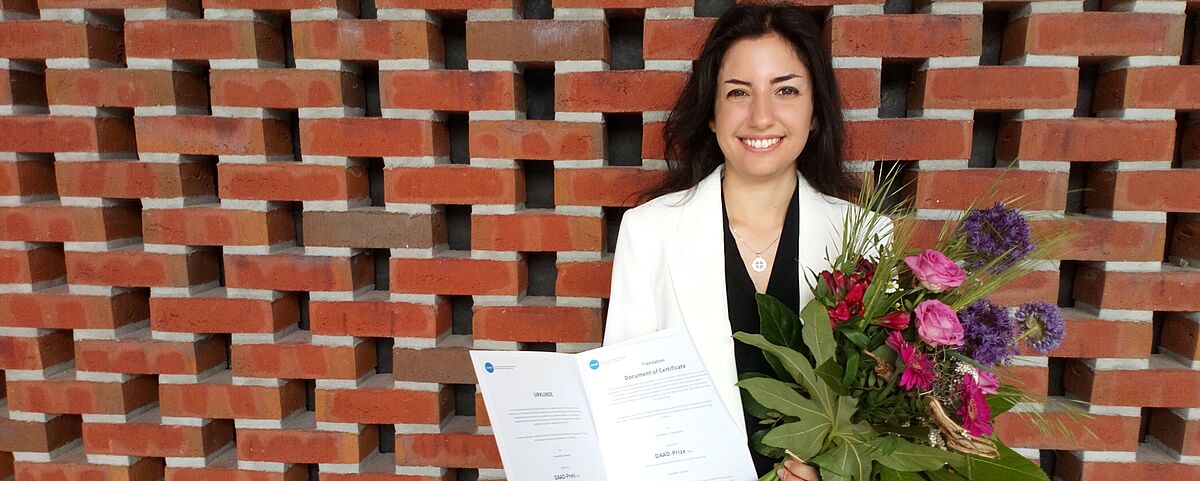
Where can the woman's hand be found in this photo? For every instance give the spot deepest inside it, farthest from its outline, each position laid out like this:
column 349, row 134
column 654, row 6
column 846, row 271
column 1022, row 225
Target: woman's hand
column 796, row 471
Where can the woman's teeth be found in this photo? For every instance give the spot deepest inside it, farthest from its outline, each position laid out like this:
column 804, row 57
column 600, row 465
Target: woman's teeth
column 761, row 143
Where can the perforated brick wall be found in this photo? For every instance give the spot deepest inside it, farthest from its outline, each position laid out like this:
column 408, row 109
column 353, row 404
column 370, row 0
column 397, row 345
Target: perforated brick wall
column 254, row 239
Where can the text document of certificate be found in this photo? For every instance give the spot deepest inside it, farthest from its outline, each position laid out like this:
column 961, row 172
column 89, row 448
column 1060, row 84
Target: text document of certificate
column 642, row 409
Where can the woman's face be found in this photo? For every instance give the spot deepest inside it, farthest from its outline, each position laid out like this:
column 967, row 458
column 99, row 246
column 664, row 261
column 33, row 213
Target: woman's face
column 764, row 107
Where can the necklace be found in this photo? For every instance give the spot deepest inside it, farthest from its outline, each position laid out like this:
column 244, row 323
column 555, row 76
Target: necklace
column 759, row 264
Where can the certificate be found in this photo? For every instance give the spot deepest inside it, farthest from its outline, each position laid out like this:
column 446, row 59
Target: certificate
column 643, row 409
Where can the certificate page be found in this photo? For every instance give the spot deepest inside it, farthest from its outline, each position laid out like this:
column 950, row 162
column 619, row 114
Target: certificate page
column 539, row 415
column 658, row 415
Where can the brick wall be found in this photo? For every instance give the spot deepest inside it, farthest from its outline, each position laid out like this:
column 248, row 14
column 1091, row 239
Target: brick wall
column 254, row 239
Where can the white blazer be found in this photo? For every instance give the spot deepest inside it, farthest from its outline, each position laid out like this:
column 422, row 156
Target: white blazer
column 669, row 270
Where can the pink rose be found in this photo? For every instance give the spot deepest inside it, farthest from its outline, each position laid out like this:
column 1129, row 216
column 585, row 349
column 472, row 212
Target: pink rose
column 935, row 271
column 987, row 382
column 938, row 324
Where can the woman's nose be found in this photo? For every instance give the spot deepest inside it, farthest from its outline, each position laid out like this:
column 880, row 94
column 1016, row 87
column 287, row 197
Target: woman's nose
column 762, row 112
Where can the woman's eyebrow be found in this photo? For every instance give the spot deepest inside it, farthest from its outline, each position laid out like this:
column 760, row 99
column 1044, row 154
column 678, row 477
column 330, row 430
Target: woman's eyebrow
column 774, row 80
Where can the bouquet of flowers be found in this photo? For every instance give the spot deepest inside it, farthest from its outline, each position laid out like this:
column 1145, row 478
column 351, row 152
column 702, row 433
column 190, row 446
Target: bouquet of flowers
column 889, row 373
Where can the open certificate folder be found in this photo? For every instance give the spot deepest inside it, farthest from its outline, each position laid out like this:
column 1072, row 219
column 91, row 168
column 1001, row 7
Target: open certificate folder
column 643, row 409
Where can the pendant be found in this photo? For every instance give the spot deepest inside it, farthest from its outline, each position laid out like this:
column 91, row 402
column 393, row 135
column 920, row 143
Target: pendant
column 759, row 264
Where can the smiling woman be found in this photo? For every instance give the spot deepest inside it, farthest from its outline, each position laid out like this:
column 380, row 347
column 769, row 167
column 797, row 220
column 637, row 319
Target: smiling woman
column 751, row 201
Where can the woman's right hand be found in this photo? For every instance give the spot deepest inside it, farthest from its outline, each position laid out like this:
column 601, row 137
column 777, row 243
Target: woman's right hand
column 793, row 470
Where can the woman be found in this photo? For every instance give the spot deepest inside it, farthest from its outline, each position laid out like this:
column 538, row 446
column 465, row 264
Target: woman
column 752, row 197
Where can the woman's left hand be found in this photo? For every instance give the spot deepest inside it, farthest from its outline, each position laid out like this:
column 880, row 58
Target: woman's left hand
column 796, row 471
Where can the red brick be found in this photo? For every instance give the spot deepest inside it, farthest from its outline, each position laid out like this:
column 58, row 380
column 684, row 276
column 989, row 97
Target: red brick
column 617, row 91
column 292, row 271
column 36, row 353
column 133, row 267
column 674, row 38
column 367, row 40
column 536, row 140
column 1075, row 34
column 214, row 226
column 1069, row 466
column 296, row 358
column 1085, row 140
column 584, row 279
column 206, row 135
column 45, row 133
column 458, row 276
column 43, row 39
column 30, row 178
column 39, row 264
column 376, row 316
column 217, row 398
column 622, row 4
column 1166, row 384
column 285, row 88
column 156, row 440
column 538, row 42
column 464, row 450
column 608, row 186
column 1089, row 337
column 1168, row 87
column 144, row 469
column 532, row 322
column 859, row 87
column 223, row 39
column 1171, row 190
column 212, row 312
column 68, row 396
column 291, row 181
column 1172, row 289
column 451, row 90
column 306, row 446
column 37, row 436
column 979, row 188
column 142, row 355
column 1034, row 286
column 908, row 139
column 344, row 5
column 1185, row 237
column 905, row 36
column 453, row 184
column 1095, row 433
column 180, row 5
column 1180, row 334
column 51, row 222
column 383, row 405
column 994, row 87
column 1181, row 435
column 55, row 308
column 132, row 179
column 119, row 87
column 537, row 232
column 373, row 137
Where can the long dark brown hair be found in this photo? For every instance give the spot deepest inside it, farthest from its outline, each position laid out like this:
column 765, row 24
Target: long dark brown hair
column 692, row 151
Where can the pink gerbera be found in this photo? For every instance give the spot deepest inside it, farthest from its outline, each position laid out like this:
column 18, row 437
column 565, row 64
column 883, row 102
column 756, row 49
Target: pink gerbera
column 918, row 369
column 974, row 411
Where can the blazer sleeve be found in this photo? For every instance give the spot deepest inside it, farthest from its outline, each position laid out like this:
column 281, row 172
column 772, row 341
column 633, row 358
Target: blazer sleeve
column 632, row 309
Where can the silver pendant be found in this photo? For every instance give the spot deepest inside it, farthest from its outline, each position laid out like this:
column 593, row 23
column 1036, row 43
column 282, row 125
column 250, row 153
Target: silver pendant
column 759, row 264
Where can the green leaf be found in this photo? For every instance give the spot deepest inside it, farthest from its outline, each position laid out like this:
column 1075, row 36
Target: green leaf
column 817, row 333
column 780, row 324
column 756, row 443
column 1009, row 466
column 888, row 474
column 1004, row 400
column 848, row 458
column 805, row 437
column 946, row 475
column 751, row 405
column 831, row 373
column 797, row 366
column 844, row 428
column 774, row 394
column 851, row 375
column 909, row 456
column 857, row 337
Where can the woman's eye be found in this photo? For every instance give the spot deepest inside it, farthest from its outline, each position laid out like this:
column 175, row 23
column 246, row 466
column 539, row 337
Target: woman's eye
column 789, row 90
column 734, row 93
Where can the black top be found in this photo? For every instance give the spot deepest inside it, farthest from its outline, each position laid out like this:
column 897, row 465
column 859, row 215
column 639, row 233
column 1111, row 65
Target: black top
column 784, row 285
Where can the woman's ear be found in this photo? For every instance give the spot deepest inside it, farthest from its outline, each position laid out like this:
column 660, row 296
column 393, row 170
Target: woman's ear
column 712, row 126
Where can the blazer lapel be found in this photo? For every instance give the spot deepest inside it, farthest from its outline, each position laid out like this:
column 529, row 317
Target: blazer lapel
column 697, row 263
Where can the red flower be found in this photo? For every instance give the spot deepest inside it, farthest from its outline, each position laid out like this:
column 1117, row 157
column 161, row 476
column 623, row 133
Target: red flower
column 855, row 295
column 839, row 314
column 896, row 320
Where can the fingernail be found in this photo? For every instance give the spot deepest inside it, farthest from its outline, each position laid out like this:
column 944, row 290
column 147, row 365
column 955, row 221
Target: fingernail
column 780, row 473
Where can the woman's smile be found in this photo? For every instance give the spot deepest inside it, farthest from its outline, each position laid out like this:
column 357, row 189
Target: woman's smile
column 760, row 145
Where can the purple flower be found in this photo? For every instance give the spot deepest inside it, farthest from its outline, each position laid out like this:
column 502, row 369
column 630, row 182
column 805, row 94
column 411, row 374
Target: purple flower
column 997, row 232
column 974, row 411
column 1044, row 327
column 989, row 331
